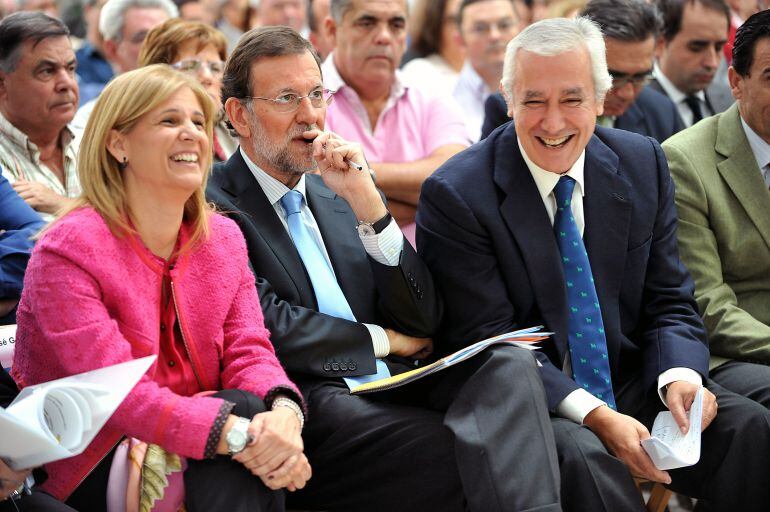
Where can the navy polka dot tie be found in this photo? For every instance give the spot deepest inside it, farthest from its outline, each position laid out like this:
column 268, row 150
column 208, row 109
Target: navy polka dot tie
column 587, row 343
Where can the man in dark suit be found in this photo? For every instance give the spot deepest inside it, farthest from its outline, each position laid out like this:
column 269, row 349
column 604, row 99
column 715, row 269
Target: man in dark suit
column 449, row 442
column 547, row 222
column 689, row 57
column 630, row 29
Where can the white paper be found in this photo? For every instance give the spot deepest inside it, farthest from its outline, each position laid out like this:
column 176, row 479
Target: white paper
column 7, row 344
column 59, row 419
column 667, row 447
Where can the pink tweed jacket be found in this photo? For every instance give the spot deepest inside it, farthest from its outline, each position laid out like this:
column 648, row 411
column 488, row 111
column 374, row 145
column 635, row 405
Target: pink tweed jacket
column 92, row 299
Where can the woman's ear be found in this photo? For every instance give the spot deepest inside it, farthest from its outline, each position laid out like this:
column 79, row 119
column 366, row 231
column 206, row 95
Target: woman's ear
column 117, row 145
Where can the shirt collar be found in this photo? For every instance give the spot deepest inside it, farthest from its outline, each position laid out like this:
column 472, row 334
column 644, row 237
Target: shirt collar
column 273, row 189
column 19, row 138
column 473, row 80
column 546, row 181
column 672, row 91
column 759, row 147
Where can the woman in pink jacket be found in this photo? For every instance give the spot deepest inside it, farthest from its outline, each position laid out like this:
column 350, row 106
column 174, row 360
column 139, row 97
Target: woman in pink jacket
column 139, row 266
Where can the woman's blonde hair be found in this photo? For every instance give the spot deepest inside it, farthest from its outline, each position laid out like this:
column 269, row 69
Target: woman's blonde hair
column 120, row 105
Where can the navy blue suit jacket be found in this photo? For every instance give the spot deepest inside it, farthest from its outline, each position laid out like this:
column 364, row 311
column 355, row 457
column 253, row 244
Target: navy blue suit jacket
column 652, row 114
column 485, row 234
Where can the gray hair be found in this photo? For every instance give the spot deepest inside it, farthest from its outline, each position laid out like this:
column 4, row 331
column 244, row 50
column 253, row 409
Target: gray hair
column 112, row 17
column 338, row 8
column 556, row 36
column 20, row 27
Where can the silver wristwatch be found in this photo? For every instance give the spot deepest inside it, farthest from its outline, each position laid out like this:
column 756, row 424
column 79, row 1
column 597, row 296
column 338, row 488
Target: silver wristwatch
column 238, row 436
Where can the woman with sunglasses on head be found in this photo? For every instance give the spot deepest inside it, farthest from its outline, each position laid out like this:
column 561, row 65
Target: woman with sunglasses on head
column 199, row 50
column 141, row 266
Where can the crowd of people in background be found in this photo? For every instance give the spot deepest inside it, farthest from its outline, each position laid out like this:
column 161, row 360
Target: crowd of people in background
column 283, row 199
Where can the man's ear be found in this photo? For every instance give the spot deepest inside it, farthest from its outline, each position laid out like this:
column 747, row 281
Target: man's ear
column 3, row 79
column 660, row 46
column 736, row 83
column 110, row 50
column 508, row 102
column 238, row 114
column 331, row 30
column 117, row 145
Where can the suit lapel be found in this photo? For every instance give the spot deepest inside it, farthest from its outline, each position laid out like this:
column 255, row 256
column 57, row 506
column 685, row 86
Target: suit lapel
column 656, row 85
column 238, row 181
column 525, row 215
column 338, row 228
column 607, row 211
column 740, row 172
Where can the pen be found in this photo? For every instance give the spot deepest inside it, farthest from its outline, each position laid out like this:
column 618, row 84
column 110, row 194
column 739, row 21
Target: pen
column 350, row 163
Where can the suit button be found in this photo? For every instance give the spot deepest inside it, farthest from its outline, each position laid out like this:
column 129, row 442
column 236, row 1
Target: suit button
column 335, row 366
column 419, row 295
column 327, row 367
column 352, row 366
column 343, row 367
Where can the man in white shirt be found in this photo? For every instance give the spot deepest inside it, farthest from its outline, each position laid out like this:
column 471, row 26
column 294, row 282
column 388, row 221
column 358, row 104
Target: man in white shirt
column 689, row 53
column 486, row 26
column 722, row 173
column 554, row 221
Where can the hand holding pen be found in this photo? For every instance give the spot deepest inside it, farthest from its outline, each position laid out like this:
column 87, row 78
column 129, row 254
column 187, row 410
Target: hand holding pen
column 329, row 148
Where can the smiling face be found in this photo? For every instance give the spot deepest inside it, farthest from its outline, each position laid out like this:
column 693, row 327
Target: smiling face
column 370, row 41
column 273, row 139
column 41, row 94
column 554, row 107
column 167, row 149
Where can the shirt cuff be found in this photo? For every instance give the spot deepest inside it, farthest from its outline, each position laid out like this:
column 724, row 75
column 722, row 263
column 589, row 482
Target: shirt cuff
column 577, row 405
column 674, row 374
column 379, row 340
column 385, row 247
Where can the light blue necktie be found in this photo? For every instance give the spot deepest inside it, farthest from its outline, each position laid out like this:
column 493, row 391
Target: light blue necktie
column 331, row 300
column 587, row 342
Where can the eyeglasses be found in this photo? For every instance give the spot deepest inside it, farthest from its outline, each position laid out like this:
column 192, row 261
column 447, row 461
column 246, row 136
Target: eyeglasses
column 193, row 66
column 289, row 102
column 503, row 26
column 637, row 80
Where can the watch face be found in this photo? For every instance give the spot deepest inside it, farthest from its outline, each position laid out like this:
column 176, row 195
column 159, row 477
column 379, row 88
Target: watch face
column 236, row 439
column 366, row 229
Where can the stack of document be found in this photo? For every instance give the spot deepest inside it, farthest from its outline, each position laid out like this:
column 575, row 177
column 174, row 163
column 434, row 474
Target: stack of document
column 524, row 338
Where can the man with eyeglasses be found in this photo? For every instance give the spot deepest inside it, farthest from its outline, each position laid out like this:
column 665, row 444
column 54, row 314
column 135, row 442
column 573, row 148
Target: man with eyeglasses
column 407, row 133
column 630, row 29
column 486, row 26
column 346, row 298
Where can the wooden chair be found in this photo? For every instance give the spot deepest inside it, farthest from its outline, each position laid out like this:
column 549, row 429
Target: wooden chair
column 659, row 495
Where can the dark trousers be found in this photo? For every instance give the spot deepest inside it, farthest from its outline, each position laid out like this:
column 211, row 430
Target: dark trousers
column 732, row 474
column 748, row 379
column 474, row 437
column 36, row 502
column 212, row 484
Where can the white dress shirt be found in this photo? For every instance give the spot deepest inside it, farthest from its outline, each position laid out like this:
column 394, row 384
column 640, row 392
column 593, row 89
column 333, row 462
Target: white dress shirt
column 761, row 150
column 580, row 402
column 385, row 248
column 471, row 93
column 678, row 98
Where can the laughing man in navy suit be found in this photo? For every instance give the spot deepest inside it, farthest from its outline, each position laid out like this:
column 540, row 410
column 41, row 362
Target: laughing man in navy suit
column 553, row 221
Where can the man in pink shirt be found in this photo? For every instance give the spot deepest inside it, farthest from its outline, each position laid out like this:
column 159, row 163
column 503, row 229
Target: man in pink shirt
column 405, row 132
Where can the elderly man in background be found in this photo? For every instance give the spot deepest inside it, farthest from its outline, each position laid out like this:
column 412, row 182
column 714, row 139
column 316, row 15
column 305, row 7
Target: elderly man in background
column 486, row 26
column 405, row 133
column 38, row 97
column 124, row 25
column 552, row 221
column 722, row 172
